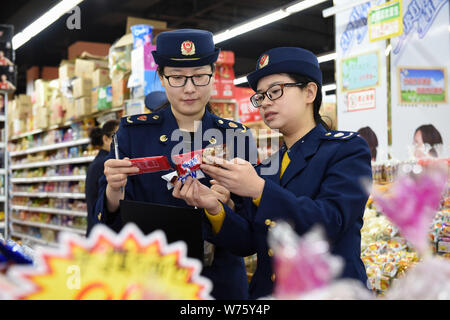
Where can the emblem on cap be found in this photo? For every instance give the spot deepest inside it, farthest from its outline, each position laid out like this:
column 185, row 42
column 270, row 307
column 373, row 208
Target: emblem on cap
column 187, row 48
column 263, row 61
column 142, row 118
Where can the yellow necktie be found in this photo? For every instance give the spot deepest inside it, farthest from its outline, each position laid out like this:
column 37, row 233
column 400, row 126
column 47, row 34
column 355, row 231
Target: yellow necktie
column 284, row 163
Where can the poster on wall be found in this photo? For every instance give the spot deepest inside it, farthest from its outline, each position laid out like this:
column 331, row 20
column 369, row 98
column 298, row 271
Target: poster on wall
column 361, row 78
column 419, row 79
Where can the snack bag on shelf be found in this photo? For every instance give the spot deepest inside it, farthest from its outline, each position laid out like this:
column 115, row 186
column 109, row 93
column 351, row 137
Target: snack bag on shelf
column 413, row 200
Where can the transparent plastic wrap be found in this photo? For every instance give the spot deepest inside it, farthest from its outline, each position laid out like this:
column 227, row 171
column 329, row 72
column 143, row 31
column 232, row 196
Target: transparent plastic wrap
column 428, row 280
column 306, row 270
column 413, row 200
column 119, row 59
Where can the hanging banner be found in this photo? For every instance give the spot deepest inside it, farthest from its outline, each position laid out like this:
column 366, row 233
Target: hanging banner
column 361, row 78
column 385, row 21
column 420, row 62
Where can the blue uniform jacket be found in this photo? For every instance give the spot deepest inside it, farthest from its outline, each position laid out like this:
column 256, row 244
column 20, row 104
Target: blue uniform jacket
column 94, row 172
column 151, row 135
column 321, row 186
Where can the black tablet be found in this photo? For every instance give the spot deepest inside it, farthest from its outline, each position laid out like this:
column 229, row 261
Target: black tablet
column 177, row 223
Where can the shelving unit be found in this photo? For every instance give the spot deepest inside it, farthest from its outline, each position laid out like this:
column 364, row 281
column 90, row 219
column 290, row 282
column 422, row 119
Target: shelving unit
column 4, row 230
column 30, row 208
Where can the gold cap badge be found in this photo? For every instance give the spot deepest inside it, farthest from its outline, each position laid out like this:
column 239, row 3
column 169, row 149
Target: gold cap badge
column 163, row 138
column 263, row 61
column 187, row 48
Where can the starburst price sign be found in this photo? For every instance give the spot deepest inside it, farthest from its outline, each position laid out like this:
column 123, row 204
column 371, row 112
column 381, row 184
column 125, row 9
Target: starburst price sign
column 110, row 266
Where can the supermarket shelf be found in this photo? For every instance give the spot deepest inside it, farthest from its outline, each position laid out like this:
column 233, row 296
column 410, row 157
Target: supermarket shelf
column 2, row 118
column 2, row 172
column 48, row 179
column 2, row 145
column 51, row 147
column 34, row 239
column 65, row 124
column 52, row 163
column 48, row 226
column 2, row 198
column 26, row 134
column 51, row 210
column 65, row 195
column 2, row 224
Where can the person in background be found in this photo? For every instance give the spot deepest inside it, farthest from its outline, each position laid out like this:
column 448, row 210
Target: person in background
column 100, row 138
column 5, row 84
column 156, row 99
column 369, row 135
column 4, row 61
column 317, row 183
column 427, row 141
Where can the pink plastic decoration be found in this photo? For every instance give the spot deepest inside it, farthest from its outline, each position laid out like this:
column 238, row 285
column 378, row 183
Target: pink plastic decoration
column 301, row 264
column 412, row 203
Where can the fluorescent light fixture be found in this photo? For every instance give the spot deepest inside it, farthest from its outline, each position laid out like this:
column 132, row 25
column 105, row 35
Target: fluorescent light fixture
column 43, row 22
column 273, row 16
column 240, row 80
column 327, row 57
column 329, row 87
column 336, row 9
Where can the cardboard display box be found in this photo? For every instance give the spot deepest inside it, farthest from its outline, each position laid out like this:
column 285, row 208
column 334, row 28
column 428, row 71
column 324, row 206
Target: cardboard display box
column 120, row 91
column 82, row 87
column 66, row 70
column 84, row 68
column 101, row 78
column 83, row 107
column 94, row 48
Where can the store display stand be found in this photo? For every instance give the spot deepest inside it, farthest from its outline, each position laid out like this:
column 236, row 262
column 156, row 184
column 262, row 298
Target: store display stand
column 4, row 197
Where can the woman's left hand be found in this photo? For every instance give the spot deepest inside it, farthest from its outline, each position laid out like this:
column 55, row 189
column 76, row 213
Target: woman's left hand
column 236, row 175
column 198, row 195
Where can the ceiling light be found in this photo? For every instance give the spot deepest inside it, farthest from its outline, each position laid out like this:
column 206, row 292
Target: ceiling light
column 273, row 16
column 327, row 57
column 329, row 87
column 43, row 22
column 336, row 9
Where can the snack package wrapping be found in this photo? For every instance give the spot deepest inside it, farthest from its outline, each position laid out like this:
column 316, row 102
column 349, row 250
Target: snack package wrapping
column 413, row 201
column 191, row 161
column 151, row 164
column 428, row 280
column 301, row 264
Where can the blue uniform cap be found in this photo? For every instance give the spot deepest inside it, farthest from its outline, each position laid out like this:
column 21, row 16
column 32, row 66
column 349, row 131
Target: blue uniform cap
column 286, row 60
column 155, row 99
column 185, row 48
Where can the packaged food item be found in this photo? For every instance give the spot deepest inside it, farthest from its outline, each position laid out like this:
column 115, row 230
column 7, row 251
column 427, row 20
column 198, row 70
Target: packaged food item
column 151, row 164
column 191, row 161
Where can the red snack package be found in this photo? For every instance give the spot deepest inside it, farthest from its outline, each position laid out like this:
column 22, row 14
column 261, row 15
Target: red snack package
column 191, row 161
column 151, row 164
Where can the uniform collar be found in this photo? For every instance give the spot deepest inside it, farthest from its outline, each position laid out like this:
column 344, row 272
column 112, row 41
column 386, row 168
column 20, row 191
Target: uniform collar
column 301, row 151
column 308, row 144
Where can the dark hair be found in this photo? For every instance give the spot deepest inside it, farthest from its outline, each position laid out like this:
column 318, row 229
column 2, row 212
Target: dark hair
column 160, row 71
column 431, row 136
column 317, row 101
column 107, row 129
column 369, row 135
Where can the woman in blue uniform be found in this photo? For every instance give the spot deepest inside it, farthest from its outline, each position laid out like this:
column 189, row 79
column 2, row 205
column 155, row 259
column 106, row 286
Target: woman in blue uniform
column 100, row 138
column 313, row 179
column 185, row 60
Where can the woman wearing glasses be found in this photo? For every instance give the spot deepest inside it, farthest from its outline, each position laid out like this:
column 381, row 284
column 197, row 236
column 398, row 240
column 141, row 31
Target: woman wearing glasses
column 317, row 173
column 185, row 60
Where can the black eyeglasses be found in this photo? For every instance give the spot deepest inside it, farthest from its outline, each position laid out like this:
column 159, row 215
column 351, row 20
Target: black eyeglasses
column 273, row 93
column 199, row 80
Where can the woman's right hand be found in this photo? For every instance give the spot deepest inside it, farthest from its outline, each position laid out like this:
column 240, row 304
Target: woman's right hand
column 117, row 171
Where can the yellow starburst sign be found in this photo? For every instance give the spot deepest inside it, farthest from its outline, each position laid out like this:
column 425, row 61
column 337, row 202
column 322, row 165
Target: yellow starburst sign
column 110, row 266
